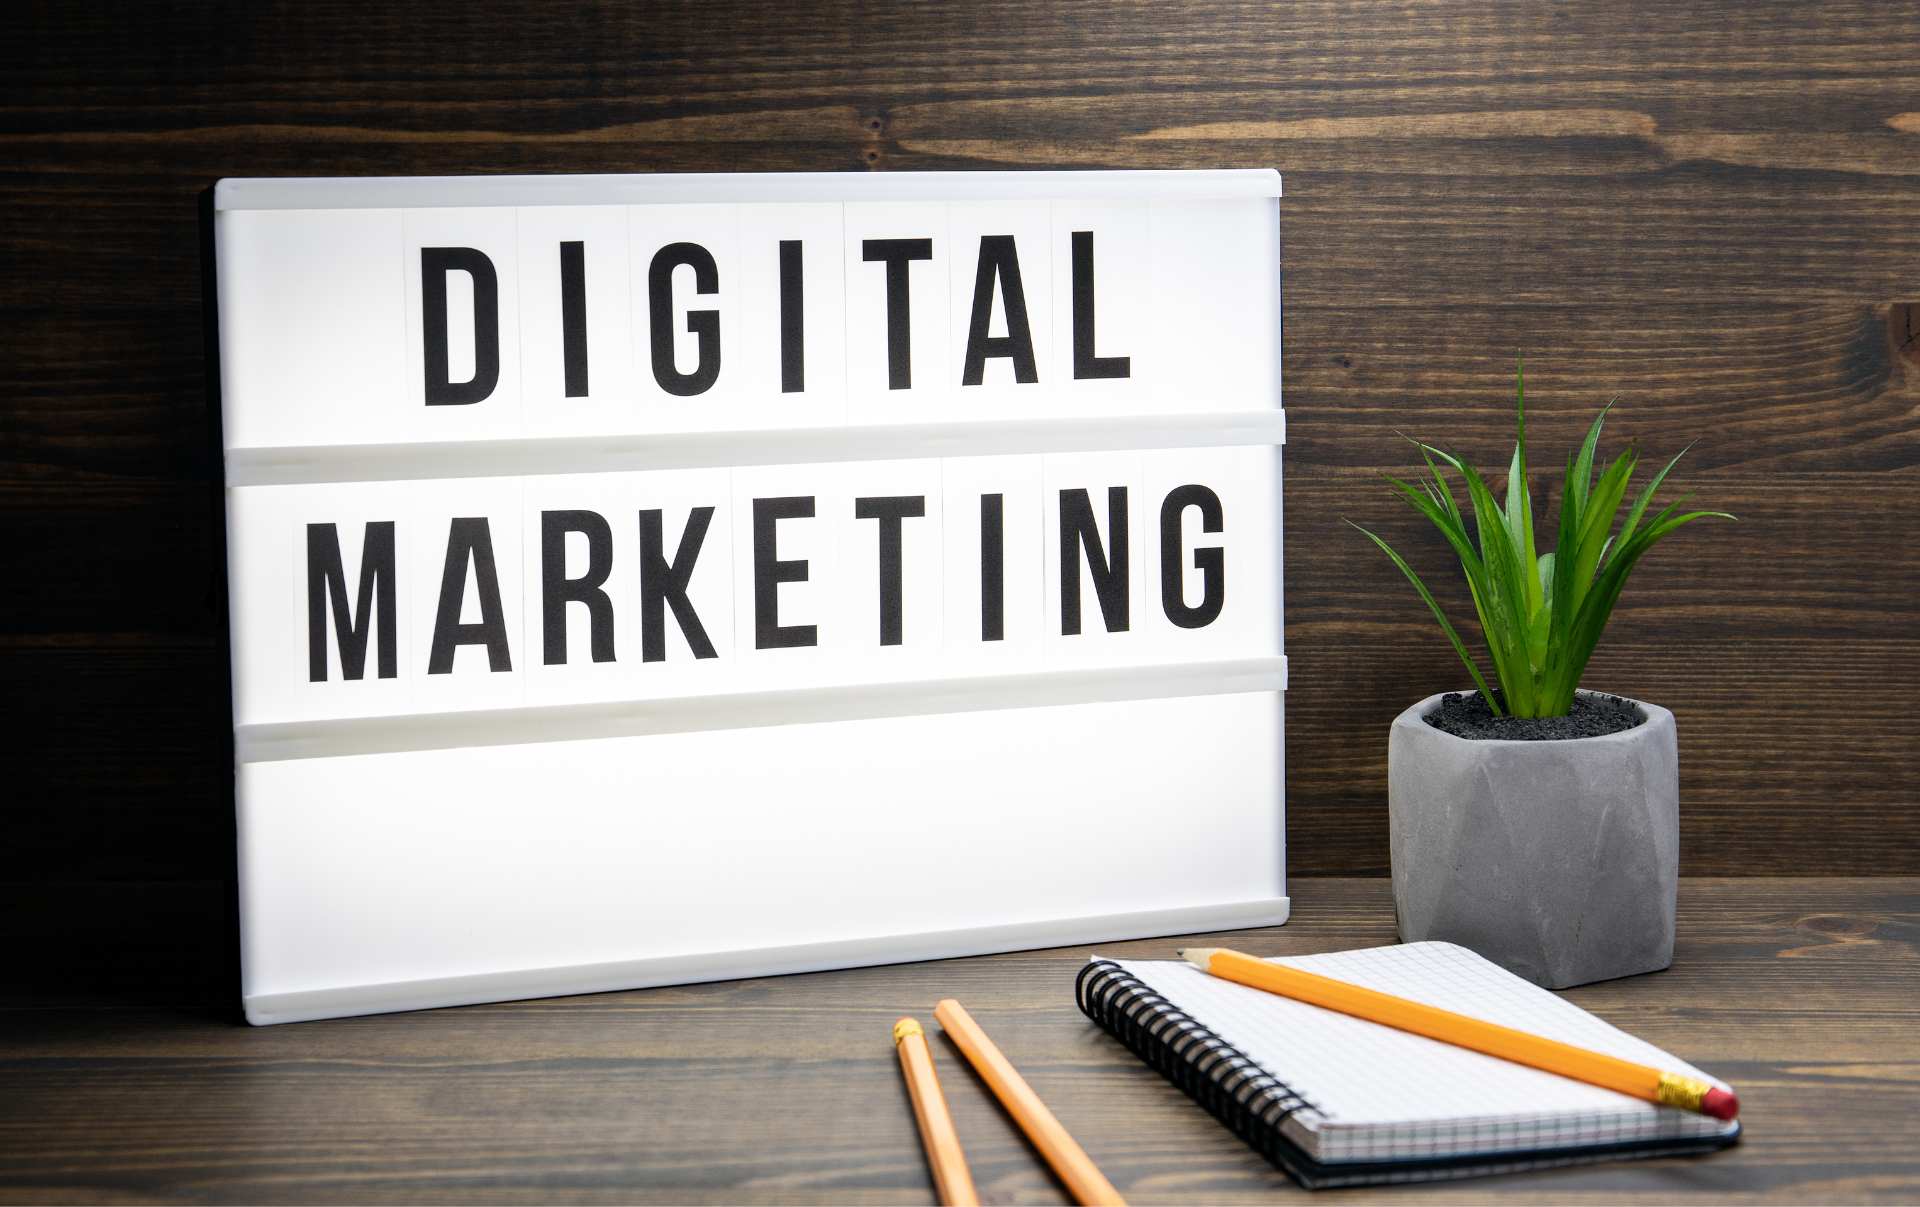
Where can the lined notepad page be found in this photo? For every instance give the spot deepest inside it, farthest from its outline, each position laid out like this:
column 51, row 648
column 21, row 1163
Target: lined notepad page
column 1377, row 1093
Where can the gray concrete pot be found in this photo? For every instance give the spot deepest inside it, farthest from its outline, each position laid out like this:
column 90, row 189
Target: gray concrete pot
column 1556, row 860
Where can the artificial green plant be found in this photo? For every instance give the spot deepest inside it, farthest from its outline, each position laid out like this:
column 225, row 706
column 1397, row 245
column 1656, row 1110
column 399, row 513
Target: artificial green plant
column 1541, row 614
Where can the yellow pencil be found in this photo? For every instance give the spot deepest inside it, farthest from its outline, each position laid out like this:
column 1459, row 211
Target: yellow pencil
column 1083, row 1179
column 949, row 1164
column 1641, row 1081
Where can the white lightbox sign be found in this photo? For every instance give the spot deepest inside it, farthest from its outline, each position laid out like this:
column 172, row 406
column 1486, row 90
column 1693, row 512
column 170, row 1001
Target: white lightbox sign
column 652, row 579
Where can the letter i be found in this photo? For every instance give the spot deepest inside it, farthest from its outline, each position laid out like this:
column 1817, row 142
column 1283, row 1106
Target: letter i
column 993, row 569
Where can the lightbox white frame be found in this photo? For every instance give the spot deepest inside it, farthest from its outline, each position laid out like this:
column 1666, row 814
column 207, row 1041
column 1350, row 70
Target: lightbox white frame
column 274, row 742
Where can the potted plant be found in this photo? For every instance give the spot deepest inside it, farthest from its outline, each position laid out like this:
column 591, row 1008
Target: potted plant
column 1538, row 824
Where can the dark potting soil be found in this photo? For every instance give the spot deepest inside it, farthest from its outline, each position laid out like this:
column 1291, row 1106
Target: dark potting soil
column 1467, row 715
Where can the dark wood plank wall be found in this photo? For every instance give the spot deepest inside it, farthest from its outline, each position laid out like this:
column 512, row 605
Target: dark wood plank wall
column 1711, row 211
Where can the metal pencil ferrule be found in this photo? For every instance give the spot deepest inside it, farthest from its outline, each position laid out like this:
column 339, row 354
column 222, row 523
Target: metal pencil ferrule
column 1684, row 1092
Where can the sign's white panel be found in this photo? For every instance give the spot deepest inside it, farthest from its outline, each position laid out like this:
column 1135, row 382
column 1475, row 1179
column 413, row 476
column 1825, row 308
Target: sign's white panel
column 767, row 838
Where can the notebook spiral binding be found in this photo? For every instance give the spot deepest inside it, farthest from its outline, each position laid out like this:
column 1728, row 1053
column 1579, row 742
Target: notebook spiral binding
column 1248, row 1100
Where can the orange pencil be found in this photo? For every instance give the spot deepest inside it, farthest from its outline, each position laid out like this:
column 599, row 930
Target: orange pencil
column 949, row 1164
column 1083, row 1179
column 1641, row 1081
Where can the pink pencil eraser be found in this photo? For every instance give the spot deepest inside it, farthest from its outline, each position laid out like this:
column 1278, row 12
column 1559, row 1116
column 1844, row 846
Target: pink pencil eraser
column 1721, row 1104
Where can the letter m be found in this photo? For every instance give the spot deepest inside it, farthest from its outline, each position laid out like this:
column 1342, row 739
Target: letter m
column 327, row 584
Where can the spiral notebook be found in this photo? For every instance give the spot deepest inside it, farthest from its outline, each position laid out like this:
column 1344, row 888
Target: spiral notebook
column 1338, row 1101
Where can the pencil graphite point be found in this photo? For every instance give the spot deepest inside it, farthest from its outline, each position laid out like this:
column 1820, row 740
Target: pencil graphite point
column 1199, row 956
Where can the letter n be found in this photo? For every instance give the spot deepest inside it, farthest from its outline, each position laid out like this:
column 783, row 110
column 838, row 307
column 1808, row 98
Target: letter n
column 1079, row 533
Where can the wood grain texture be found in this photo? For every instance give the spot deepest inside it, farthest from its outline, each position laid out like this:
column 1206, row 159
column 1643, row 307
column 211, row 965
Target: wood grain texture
column 1707, row 210
column 1805, row 993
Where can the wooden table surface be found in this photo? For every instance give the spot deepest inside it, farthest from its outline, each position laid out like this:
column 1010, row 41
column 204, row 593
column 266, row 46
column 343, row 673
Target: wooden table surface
column 1805, row 993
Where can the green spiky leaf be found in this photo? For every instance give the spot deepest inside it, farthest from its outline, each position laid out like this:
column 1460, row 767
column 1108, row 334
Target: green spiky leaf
column 1459, row 646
